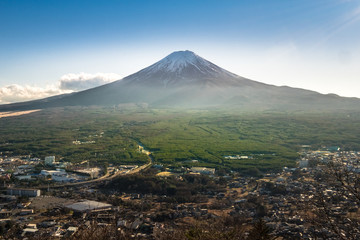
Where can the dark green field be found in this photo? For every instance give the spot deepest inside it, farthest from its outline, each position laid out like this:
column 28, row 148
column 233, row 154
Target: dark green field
column 270, row 139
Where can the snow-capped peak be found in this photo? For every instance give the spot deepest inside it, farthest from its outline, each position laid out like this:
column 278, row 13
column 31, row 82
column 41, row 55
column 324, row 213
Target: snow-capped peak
column 176, row 61
column 182, row 68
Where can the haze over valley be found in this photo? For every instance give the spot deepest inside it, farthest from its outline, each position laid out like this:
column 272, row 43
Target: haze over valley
column 184, row 120
column 185, row 80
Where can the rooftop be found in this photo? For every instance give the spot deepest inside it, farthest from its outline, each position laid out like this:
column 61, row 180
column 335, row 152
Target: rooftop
column 88, row 205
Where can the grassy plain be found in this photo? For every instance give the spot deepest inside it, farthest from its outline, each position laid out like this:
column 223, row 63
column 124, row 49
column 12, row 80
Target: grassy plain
column 270, row 139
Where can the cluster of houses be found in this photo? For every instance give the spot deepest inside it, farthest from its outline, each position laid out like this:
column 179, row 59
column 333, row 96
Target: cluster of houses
column 287, row 198
column 283, row 200
column 25, row 169
column 17, row 167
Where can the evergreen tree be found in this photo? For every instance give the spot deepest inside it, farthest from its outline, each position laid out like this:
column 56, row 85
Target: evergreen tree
column 261, row 232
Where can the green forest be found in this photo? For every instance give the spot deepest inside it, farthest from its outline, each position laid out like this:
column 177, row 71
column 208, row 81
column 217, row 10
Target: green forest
column 271, row 140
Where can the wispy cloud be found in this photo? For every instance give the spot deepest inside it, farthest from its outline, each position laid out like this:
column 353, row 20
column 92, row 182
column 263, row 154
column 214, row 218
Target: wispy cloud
column 68, row 83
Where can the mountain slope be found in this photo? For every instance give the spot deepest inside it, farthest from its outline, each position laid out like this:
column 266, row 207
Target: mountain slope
column 184, row 68
column 183, row 79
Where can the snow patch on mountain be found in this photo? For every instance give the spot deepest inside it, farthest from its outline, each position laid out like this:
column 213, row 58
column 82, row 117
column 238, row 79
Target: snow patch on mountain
column 180, row 69
column 179, row 61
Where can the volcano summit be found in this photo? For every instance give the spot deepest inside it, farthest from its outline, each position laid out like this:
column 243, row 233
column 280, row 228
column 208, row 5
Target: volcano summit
column 181, row 69
column 186, row 80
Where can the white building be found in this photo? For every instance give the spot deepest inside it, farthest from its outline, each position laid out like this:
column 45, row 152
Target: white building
column 24, row 177
column 303, row 163
column 89, row 206
column 58, row 175
column 23, row 192
column 203, row 170
column 49, row 160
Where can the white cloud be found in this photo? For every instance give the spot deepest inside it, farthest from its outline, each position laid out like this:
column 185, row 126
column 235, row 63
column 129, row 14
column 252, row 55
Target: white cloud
column 18, row 93
column 68, row 83
column 82, row 81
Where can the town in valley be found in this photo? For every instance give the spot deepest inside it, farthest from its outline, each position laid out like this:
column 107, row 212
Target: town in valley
column 54, row 199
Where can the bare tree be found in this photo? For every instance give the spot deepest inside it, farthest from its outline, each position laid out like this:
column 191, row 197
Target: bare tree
column 336, row 202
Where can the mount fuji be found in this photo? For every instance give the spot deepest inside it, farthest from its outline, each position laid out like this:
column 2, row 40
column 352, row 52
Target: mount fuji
column 186, row 80
column 183, row 68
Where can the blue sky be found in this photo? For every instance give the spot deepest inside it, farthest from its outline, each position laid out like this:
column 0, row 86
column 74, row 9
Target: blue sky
column 300, row 43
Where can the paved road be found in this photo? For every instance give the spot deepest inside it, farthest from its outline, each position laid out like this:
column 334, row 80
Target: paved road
column 107, row 176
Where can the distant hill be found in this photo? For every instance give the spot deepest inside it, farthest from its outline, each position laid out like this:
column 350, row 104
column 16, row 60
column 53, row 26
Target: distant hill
column 185, row 80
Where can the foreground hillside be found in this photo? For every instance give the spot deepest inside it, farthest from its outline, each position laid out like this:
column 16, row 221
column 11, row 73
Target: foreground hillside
column 270, row 140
